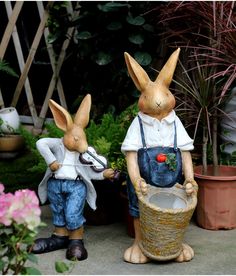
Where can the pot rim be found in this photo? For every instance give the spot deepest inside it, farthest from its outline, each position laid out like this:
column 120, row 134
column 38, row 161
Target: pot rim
column 222, row 172
column 8, row 109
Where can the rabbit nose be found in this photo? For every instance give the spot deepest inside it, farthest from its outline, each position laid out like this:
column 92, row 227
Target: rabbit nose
column 158, row 104
column 76, row 138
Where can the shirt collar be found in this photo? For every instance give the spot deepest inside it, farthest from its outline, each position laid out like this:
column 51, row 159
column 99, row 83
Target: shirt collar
column 170, row 118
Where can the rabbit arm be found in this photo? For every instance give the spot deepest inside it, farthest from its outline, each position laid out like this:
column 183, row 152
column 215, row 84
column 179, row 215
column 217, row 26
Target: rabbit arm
column 189, row 183
column 91, row 174
column 47, row 147
column 134, row 173
column 109, row 173
column 187, row 165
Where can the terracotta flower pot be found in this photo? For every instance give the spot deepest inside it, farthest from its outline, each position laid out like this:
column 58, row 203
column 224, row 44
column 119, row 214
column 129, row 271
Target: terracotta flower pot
column 11, row 143
column 216, row 208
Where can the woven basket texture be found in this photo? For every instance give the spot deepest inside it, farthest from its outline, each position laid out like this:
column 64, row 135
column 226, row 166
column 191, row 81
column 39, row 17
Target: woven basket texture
column 163, row 229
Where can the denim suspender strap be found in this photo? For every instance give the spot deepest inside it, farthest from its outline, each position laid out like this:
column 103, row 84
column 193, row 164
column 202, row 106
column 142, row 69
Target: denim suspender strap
column 175, row 138
column 143, row 137
column 142, row 133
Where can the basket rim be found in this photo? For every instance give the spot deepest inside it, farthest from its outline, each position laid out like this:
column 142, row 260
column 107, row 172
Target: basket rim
column 191, row 198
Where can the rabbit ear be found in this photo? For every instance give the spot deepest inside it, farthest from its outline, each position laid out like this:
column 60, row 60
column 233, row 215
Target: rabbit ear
column 167, row 72
column 136, row 72
column 82, row 114
column 61, row 116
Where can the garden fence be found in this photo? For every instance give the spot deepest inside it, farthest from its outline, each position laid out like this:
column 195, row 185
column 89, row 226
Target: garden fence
column 24, row 84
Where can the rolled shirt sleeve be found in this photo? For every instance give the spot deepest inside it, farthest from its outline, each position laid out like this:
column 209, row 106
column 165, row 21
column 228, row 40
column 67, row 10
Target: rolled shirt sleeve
column 184, row 142
column 132, row 141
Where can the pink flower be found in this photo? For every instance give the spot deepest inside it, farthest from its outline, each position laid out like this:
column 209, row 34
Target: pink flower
column 21, row 208
column 25, row 209
column 6, row 201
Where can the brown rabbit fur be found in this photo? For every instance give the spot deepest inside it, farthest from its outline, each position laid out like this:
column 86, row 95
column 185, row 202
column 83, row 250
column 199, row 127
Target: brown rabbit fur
column 156, row 101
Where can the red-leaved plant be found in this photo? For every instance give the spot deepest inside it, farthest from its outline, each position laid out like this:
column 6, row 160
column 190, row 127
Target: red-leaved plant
column 206, row 32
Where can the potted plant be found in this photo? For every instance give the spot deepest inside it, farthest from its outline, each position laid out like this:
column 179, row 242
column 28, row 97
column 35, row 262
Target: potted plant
column 207, row 34
column 11, row 141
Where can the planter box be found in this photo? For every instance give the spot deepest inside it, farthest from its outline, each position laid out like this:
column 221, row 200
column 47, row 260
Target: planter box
column 216, row 208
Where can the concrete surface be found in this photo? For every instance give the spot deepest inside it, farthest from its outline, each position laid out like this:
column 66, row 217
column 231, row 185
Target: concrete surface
column 215, row 253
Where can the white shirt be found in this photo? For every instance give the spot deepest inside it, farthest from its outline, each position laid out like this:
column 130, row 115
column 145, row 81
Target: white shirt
column 157, row 133
column 67, row 170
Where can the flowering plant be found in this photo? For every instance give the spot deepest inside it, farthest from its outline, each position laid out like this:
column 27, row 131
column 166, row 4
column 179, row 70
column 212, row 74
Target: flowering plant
column 19, row 219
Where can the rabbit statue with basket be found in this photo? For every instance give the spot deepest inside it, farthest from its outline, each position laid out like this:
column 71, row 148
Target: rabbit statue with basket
column 157, row 149
column 72, row 164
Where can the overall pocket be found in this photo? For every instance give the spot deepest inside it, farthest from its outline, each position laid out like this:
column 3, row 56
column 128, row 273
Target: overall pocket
column 160, row 174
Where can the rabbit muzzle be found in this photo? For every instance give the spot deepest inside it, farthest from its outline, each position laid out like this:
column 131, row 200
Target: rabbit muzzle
column 75, row 142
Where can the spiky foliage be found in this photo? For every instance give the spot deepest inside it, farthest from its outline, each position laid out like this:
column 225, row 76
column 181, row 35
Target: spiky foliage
column 206, row 32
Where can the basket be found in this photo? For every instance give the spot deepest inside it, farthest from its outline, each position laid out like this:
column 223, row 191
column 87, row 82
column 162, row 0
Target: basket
column 165, row 214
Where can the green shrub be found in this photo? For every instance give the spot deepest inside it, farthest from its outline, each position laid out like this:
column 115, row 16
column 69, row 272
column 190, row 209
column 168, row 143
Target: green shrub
column 107, row 135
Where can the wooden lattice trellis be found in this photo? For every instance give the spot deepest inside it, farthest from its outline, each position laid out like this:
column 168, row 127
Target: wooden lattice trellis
column 36, row 118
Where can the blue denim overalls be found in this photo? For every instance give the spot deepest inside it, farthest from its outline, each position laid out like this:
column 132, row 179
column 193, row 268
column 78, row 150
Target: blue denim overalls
column 155, row 173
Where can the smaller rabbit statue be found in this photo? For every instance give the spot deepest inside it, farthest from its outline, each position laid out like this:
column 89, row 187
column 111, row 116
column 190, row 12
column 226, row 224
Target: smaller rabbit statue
column 67, row 181
column 158, row 128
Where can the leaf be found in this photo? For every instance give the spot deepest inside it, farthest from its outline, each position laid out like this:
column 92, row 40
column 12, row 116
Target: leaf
column 84, row 35
column 136, row 38
column 148, row 27
column 2, row 263
column 143, row 58
column 5, row 67
column 103, row 58
column 102, row 145
column 112, row 6
column 115, row 25
column 53, row 37
column 171, row 161
column 135, row 93
column 31, row 257
column 32, row 271
column 61, row 267
column 138, row 20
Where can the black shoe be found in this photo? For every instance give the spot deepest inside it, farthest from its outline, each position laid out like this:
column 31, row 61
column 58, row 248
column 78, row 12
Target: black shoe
column 76, row 250
column 44, row 245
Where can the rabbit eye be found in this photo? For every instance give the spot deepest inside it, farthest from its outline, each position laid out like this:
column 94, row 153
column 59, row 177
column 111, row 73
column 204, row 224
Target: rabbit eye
column 144, row 97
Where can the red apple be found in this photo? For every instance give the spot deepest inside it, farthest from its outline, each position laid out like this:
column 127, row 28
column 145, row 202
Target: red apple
column 161, row 157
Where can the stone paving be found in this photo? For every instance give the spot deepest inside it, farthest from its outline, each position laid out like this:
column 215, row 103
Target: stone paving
column 215, row 253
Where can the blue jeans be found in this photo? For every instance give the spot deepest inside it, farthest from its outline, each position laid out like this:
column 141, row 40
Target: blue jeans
column 67, row 200
column 133, row 199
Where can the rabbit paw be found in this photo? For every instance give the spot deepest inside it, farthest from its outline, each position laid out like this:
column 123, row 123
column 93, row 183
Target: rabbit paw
column 134, row 255
column 186, row 255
